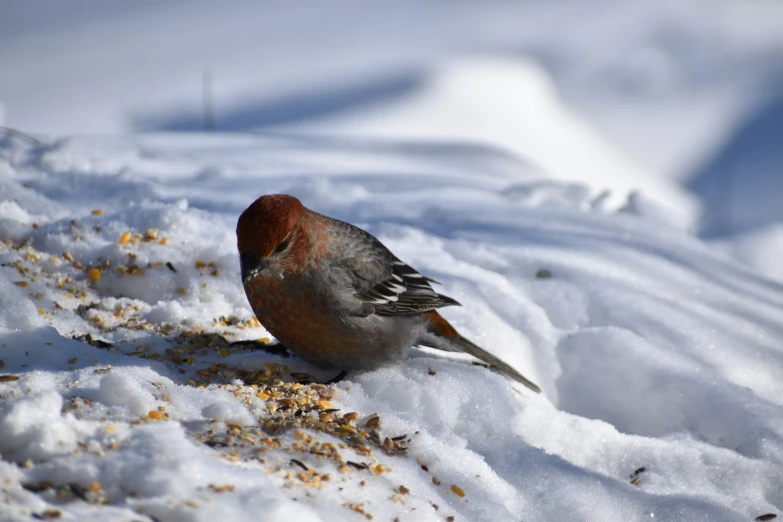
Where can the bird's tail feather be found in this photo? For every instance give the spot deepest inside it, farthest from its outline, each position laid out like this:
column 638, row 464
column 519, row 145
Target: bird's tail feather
column 443, row 330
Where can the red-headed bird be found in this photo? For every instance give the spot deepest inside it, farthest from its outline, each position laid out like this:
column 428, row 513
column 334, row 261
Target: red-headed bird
column 336, row 296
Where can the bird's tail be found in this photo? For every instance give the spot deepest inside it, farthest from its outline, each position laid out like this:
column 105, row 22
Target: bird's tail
column 441, row 329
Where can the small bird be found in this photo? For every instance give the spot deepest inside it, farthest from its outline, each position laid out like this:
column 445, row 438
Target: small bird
column 336, row 296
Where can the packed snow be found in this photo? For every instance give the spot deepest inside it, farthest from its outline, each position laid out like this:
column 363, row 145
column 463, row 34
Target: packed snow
column 596, row 184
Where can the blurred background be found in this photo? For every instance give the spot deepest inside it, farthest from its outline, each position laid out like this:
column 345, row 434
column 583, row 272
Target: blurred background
column 680, row 100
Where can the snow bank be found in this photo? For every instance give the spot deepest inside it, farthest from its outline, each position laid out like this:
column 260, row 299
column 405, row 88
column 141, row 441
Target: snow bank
column 659, row 357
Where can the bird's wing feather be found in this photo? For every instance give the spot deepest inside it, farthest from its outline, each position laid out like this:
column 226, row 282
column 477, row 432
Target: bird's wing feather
column 391, row 286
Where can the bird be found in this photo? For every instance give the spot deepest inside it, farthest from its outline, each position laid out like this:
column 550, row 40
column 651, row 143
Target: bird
column 335, row 296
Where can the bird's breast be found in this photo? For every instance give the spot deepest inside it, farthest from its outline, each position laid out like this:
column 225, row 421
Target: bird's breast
column 308, row 323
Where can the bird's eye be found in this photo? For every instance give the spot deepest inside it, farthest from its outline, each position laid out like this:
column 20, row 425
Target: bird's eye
column 282, row 246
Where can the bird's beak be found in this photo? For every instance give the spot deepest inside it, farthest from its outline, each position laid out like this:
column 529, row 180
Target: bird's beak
column 251, row 264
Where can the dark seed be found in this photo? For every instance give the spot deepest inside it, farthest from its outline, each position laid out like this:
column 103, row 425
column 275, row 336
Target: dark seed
column 171, row 267
column 88, row 338
column 357, row 465
column 399, row 438
column 79, row 491
column 35, row 488
column 543, row 273
column 768, row 516
column 299, row 463
column 638, row 472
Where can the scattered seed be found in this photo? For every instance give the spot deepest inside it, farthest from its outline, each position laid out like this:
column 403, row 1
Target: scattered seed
column 9, row 378
column 768, row 516
column 348, row 428
column 125, row 238
column 457, row 490
column 221, row 489
column 23, row 284
column 400, row 437
column 97, row 212
column 156, row 415
column 357, row 465
column 377, row 469
column 50, row 514
column 543, row 273
column 171, row 267
column 94, row 274
column 635, row 476
column 200, row 263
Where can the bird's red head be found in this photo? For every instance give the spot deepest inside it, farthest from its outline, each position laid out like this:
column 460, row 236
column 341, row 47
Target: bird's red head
column 267, row 223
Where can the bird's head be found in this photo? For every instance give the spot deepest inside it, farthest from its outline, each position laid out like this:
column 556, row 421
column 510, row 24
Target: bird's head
column 266, row 231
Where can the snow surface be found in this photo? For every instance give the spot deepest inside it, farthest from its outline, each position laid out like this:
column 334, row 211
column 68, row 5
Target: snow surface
column 598, row 183
column 653, row 349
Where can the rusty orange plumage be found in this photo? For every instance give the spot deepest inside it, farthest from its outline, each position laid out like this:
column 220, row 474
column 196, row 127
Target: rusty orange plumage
column 336, row 296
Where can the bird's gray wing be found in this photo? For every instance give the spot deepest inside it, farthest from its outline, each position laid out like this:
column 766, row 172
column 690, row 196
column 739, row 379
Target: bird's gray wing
column 380, row 279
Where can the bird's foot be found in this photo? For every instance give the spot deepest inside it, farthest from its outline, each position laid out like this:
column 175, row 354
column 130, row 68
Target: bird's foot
column 274, row 349
column 337, row 378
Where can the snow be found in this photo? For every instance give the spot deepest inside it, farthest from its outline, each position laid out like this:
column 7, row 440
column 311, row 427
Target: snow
column 595, row 183
column 653, row 349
